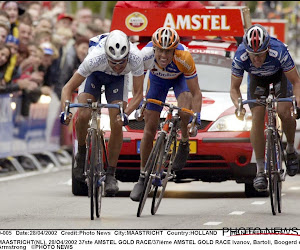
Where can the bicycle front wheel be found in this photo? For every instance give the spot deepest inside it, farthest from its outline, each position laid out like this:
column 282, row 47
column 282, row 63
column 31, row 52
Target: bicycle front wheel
column 272, row 176
column 150, row 170
column 100, row 177
column 166, row 162
column 92, row 161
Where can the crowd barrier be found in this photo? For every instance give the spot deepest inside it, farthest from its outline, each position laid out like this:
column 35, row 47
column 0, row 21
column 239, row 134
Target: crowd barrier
column 38, row 133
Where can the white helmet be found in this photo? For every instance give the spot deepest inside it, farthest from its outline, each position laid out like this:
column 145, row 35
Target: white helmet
column 117, row 45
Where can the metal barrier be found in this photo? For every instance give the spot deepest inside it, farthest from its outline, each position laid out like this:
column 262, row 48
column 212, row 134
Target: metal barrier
column 39, row 133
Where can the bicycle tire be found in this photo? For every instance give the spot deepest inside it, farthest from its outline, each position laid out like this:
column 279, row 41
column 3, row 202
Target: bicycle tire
column 100, row 176
column 93, row 163
column 149, row 170
column 160, row 191
column 279, row 182
column 270, row 168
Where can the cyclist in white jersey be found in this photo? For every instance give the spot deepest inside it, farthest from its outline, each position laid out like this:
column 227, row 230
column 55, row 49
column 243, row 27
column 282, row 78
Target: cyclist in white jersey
column 111, row 57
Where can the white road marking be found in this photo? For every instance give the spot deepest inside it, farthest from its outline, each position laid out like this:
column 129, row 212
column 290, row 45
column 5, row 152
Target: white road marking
column 237, row 213
column 212, row 223
column 294, row 188
column 258, row 202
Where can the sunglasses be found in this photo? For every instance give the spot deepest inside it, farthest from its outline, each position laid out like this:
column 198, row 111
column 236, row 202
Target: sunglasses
column 117, row 62
column 258, row 53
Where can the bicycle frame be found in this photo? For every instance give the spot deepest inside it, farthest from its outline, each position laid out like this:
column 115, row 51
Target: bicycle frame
column 94, row 166
column 160, row 158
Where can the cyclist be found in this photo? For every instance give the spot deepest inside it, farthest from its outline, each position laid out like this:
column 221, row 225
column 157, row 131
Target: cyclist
column 267, row 60
column 111, row 57
column 170, row 65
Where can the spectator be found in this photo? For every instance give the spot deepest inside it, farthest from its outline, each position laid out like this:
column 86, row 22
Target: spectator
column 49, row 67
column 25, row 32
column 74, row 57
column 106, row 25
column 4, row 30
column 63, row 40
column 13, row 44
column 4, row 17
column 84, row 15
column 42, row 36
column 11, row 87
column 44, row 23
column 5, row 55
column 64, row 20
column 13, row 10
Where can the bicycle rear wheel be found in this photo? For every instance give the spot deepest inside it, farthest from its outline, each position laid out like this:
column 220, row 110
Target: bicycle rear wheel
column 150, row 170
column 273, row 179
column 167, row 161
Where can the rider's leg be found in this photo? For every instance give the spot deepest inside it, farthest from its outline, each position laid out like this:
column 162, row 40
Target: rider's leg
column 184, row 101
column 289, row 128
column 81, row 125
column 257, row 139
column 114, row 148
column 151, row 118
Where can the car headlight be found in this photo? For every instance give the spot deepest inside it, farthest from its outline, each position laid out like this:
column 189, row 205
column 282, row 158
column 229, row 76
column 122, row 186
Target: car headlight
column 105, row 123
column 231, row 123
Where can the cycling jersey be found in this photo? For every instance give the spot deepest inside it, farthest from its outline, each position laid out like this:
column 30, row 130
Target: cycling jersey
column 182, row 63
column 180, row 69
column 278, row 57
column 96, row 59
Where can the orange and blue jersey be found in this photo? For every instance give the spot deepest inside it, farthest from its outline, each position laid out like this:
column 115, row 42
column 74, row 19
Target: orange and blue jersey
column 182, row 63
column 181, row 68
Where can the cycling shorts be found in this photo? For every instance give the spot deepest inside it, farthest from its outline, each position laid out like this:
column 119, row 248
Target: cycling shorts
column 116, row 87
column 158, row 89
column 259, row 86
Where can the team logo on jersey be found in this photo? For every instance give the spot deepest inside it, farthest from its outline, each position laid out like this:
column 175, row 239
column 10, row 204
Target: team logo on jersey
column 136, row 22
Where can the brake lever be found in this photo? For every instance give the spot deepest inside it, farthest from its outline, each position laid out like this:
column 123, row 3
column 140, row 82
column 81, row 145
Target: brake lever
column 193, row 129
column 67, row 109
column 294, row 106
column 121, row 111
column 240, row 106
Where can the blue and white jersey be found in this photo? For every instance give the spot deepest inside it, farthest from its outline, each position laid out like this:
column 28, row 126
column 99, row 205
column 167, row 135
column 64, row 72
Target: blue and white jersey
column 96, row 60
column 277, row 58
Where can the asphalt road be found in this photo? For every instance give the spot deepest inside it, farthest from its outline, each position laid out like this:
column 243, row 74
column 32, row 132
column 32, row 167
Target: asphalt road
column 44, row 201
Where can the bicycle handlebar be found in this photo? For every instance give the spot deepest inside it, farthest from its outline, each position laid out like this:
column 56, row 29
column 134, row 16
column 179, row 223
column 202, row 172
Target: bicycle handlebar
column 170, row 106
column 90, row 104
column 264, row 100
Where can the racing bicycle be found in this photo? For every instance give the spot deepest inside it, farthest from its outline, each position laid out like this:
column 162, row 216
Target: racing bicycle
column 96, row 154
column 274, row 152
column 159, row 164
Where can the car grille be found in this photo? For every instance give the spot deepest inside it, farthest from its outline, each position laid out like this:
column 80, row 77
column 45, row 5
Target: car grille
column 135, row 125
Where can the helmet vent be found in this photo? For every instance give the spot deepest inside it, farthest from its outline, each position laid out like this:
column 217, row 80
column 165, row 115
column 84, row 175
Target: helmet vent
column 111, row 49
column 117, row 45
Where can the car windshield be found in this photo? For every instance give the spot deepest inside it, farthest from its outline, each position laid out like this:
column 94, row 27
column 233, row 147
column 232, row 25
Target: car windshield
column 214, row 73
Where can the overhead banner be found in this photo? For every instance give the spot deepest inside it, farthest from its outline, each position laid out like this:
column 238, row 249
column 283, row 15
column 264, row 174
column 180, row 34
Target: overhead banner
column 187, row 22
column 276, row 28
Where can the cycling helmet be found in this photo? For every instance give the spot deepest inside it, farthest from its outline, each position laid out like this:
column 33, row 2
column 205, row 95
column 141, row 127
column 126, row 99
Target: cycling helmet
column 117, row 45
column 165, row 38
column 256, row 39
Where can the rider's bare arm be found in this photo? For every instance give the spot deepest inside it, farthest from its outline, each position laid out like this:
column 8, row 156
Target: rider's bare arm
column 196, row 93
column 70, row 86
column 235, row 92
column 137, row 94
column 293, row 77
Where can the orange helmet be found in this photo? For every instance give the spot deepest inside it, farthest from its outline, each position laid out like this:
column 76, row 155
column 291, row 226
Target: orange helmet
column 165, row 38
